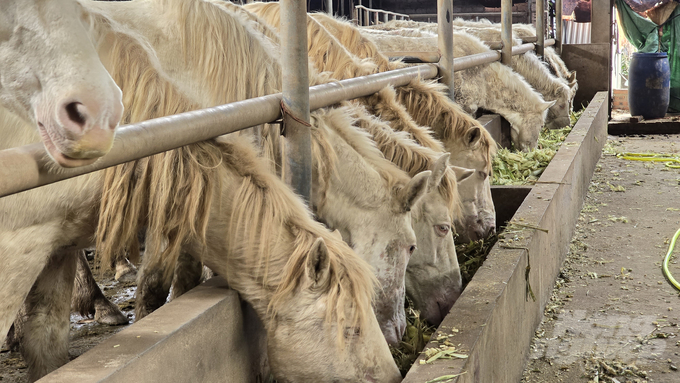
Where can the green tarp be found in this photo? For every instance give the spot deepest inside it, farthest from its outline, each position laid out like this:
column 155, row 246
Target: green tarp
column 643, row 34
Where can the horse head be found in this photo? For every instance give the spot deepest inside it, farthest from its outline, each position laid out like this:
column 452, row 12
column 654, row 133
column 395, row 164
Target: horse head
column 51, row 76
column 433, row 280
column 321, row 318
column 474, row 150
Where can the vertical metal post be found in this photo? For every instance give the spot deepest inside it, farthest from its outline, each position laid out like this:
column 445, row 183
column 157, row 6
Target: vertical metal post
column 558, row 26
column 506, row 31
column 386, row 17
column 540, row 27
column 297, row 165
column 367, row 18
column 445, row 33
column 329, row 7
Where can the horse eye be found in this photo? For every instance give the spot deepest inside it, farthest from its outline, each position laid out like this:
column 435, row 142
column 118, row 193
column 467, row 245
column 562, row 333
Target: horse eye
column 442, row 230
column 484, row 175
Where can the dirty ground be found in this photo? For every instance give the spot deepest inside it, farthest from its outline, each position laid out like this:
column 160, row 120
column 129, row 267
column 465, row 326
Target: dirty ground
column 85, row 332
column 613, row 317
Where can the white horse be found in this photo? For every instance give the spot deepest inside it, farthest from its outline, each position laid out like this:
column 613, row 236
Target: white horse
column 52, row 77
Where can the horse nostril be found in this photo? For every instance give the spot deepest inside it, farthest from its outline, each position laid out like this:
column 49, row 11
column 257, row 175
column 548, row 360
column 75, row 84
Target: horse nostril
column 411, row 249
column 77, row 113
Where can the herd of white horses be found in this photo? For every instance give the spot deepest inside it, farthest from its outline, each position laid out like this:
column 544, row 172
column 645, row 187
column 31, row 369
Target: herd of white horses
column 397, row 176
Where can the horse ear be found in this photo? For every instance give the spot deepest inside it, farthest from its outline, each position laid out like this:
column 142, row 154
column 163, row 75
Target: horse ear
column 572, row 78
column 415, row 189
column 438, row 170
column 462, row 173
column 472, row 137
column 337, row 234
column 318, row 265
column 547, row 104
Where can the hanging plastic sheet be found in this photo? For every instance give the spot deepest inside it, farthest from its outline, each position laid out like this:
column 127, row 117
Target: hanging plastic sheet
column 644, row 35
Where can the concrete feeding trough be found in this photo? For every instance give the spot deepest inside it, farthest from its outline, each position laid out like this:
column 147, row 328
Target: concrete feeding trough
column 494, row 319
column 209, row 335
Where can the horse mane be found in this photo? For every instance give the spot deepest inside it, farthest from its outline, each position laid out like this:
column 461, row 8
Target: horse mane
column 339, row 124
column 147, row 192
column 263, row 208
column 324, row 50
column 427, row 102
column 351, row 38
column 236, row 56
column 408, row 155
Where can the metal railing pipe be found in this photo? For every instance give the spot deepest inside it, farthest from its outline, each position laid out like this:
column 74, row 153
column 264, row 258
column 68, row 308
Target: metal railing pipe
column 540, row 27
column 558, row 26
column 520, row 49
column 329, row 7
column 297, row 163
column 445, row 43
column 29, row 166
column 467, row 62
column 506, row 31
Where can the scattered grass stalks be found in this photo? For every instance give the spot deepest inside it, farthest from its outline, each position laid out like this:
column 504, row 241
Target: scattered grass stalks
column 512, row 167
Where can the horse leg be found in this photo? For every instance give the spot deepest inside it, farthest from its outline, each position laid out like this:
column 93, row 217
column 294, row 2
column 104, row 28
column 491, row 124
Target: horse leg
column 43, row 329
column 152, row 291
column 188, row 274
column 88, row 299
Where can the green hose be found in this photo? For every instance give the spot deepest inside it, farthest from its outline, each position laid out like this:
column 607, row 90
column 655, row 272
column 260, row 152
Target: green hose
column 666, row 272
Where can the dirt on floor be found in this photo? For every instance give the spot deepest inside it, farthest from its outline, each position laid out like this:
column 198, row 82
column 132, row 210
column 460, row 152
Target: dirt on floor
column 85, row 332
column 613, row 317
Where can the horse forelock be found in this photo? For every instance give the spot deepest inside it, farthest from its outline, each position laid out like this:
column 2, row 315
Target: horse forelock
column 264, row 205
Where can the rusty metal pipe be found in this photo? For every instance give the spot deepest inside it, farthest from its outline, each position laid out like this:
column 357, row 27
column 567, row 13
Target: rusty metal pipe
column 297, row 162
column 29, row 166
column 445, row 42
column 506, row 31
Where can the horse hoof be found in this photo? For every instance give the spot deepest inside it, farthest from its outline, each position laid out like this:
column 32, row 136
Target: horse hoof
column 111, row 316
column 126, row 273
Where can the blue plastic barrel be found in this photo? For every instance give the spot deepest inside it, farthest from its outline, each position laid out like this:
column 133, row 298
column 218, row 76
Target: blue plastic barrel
column 649, row 85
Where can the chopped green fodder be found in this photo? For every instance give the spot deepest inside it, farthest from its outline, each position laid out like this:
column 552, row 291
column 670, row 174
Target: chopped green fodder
column 472, row 255
column 511, row 167
column 416, row 336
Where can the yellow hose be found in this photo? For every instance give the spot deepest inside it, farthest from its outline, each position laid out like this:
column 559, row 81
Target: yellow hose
column 651, row 157
column 667, row 259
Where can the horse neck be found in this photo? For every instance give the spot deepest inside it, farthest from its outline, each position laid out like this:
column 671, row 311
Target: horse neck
column 509, row 96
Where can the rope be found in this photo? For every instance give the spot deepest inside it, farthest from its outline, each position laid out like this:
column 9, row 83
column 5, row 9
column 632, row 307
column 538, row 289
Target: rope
column 667, row 259
column 285, row 111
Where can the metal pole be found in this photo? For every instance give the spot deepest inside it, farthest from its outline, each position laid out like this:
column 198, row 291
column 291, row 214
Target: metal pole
column 540, row 27
column 445, row 42
column 297, row 166
column 558, row 26
column 506, row 31
column 329, row 7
